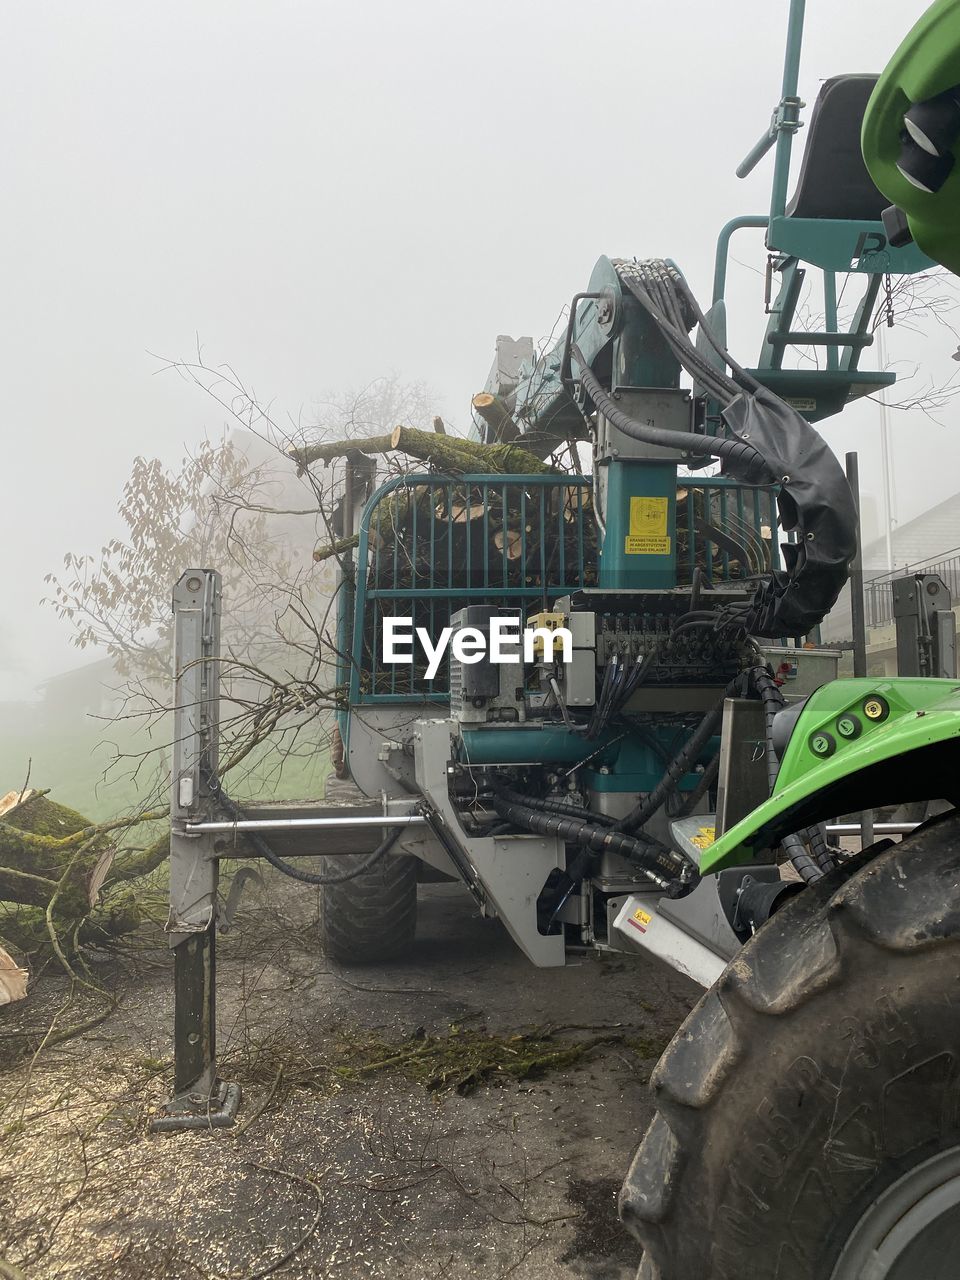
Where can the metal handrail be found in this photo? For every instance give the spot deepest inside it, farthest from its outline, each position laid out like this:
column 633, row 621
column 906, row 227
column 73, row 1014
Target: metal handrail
column 444, row 561
column 445, row 583
column 878, row 591
column 919, row 566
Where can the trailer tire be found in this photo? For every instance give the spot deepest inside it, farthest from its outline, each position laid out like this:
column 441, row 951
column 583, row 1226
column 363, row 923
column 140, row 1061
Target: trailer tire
column 373, row 916
column 811, row 1101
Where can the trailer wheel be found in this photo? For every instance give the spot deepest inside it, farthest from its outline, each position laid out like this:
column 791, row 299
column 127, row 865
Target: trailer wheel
column 373, row 916
column 808, row 1123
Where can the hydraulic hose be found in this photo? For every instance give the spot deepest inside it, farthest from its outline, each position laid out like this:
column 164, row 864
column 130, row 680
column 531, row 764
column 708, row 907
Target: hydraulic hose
column 560, row 807
column 811, row 866
column 264, row 851
column 675, row 296
column 618, row 689
column 748, row 462
column 656, row 287
column 681, row 763
column 661, row 865
column 707, row 780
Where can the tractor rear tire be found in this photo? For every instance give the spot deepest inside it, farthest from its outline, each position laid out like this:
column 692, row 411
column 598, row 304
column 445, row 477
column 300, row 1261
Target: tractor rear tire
column 372, row 917
column 809, row 1108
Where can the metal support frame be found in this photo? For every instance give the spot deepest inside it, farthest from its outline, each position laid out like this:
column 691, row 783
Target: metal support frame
column 785, row 120
column 200, row 1100
column 302, row 824
column 879, row 828
column 926, row 626
column 868, row 828
column 506, row 873
column 858, row 618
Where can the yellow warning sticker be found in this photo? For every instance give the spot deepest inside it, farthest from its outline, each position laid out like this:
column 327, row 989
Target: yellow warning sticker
column 640, row 919
column 633, row 546
column 648, row 517
column 648, row 528
column 704, row 838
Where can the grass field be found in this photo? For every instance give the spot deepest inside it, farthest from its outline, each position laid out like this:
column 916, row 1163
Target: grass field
column 78, row 757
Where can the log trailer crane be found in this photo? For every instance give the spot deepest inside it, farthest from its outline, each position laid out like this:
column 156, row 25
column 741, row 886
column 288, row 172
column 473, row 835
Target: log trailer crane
column 663, row 786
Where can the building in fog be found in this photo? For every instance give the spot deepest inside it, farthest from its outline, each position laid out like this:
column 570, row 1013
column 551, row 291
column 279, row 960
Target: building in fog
column 930, row 543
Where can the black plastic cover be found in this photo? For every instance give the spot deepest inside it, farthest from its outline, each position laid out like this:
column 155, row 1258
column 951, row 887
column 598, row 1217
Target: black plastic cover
column 815, row 500
column 834, row 182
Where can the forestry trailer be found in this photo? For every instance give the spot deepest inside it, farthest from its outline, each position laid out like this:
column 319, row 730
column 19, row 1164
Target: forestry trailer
column 588, row 691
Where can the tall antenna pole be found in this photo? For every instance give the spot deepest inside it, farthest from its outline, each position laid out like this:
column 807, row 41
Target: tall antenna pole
column 885, row 461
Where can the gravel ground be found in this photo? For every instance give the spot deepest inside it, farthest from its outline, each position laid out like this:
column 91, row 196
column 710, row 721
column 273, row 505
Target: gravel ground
column 343, row 1159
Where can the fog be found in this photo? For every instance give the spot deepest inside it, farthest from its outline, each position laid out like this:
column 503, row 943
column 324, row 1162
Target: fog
column 320, row 194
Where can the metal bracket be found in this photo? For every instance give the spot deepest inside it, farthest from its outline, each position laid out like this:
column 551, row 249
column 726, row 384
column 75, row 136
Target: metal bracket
column 197, row 1111
column 241, row 878
column 926, row 626
column 785, row 119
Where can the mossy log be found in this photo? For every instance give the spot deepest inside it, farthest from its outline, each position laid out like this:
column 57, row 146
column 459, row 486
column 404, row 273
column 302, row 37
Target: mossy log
column 445, row 453
column 25, row 928
column 43, row 849
column 55, row 862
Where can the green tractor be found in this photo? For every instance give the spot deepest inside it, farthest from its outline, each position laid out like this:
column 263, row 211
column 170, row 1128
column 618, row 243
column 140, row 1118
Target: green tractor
column 808, row 1118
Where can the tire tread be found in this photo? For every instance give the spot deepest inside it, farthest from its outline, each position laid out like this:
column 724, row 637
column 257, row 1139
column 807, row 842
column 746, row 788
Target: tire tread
column 817, row 942
column 372, row 917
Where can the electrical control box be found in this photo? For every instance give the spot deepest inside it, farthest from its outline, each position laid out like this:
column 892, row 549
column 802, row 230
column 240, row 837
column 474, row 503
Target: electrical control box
column 485, row 691
column 578, row 682
column 669, row 408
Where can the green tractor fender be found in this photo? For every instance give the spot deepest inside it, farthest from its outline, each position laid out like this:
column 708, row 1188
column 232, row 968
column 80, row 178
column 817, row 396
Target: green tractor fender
column 925, row 66
column 856, row 744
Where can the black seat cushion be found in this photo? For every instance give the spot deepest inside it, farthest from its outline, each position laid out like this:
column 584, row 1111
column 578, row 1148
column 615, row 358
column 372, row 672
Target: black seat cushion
column 834, row 182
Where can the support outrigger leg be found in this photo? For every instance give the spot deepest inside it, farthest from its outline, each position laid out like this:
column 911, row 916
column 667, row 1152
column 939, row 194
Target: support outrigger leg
column 200, row 1100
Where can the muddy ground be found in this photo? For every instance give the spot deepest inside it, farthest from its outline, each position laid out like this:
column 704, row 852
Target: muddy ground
column 459, row 1114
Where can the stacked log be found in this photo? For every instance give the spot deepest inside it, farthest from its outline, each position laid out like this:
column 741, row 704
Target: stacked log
column 442, row 453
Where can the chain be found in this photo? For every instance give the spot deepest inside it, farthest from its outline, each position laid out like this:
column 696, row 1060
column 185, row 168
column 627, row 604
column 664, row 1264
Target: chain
column 888, row 300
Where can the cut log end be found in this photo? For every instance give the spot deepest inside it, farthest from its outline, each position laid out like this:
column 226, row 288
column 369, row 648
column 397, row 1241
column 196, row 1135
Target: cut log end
column 495, row 412
column 13, row 799
column 13, row 979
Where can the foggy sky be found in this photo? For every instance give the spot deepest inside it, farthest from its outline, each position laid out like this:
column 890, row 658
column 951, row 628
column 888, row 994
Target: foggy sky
column 324, row 193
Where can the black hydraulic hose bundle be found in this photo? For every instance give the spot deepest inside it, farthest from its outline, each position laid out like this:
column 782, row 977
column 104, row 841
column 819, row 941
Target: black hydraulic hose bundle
column 770, row 443
column 615, row 692
column 811, row 866
column 263, row 849
column 560, row 807
column 596, row 833
column 661, row 865
column 750, row 461
column 608, row 697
